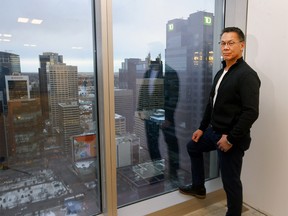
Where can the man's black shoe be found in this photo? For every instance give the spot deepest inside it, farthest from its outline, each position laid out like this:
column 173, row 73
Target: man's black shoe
column 197, row 191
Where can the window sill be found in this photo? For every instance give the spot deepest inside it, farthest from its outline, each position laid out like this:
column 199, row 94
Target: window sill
column 164, row 201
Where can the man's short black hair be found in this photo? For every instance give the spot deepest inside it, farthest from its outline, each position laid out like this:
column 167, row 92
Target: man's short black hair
column 237, row 30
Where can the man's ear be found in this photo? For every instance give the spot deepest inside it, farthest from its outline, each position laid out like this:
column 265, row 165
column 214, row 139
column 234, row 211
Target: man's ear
column 242, row 46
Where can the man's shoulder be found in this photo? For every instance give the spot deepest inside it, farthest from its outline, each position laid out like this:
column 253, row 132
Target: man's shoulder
column 245, row 68
column 245, row 71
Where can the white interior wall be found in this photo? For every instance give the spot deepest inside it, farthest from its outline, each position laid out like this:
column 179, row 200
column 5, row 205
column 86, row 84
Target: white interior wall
column 265, row 170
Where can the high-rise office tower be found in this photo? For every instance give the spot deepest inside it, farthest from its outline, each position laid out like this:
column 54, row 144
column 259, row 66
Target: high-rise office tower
column 47, row 58
column 18, row 95
column 62, row 87
column 22, row 128
column 189, row 51
column 191, row 42
column 69, row 125
column 17, row 87
column 120, row 125
column 127, row 150
column 139, row 129
column 124, row 106
column 127, row 144
column 9, row 65
column 132, row 69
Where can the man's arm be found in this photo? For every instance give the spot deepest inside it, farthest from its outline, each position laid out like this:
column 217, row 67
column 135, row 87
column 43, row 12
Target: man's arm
column 249, row 93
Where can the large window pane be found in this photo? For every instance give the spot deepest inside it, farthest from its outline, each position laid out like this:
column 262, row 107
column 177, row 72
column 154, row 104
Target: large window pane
column 163, row 59
column 48, row 116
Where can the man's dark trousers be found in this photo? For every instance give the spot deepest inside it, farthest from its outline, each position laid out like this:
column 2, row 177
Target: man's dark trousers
column 230, row 163
column 152, row 132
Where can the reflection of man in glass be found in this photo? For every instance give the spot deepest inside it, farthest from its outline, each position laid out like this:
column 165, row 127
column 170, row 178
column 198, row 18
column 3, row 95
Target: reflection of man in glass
column 158, row 98
column 171, row 94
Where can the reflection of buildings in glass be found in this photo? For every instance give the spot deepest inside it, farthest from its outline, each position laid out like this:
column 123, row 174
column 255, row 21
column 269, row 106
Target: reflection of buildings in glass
column 158, row 92
column 9, row 65
column 17, row 87
column 149, row 104
column 47, row 58
column 124, row 106
column 23, row 119
column 142, row 84
column 69, row 125
column 150, row 90
column 62, row 87
column 189, row 50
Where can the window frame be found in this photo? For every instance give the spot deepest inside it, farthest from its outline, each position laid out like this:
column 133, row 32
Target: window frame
column 225, row 14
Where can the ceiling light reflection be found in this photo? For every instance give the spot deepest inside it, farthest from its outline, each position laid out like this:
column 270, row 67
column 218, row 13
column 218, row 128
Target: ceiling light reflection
column 36, row 21
column 23, row 20
column 29, row 45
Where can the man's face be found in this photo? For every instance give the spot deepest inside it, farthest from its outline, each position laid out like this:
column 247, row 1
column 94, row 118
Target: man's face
column 231, row 46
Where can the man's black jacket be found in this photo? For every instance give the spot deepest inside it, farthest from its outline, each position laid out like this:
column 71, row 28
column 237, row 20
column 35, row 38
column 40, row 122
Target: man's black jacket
column 237, row 105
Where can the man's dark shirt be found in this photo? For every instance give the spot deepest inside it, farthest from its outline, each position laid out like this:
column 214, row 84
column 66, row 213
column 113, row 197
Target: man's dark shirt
column 237, row 104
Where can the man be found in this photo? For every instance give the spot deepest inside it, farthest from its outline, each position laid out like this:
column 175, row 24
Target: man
column 160, row 93
column 232, row 109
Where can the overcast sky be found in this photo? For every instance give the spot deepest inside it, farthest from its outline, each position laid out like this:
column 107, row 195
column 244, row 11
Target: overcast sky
column 138, row 28
column 140, row 25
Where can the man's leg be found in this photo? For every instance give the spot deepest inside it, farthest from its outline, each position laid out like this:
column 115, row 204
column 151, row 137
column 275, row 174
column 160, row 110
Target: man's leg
column 231, row 165
column 152, row 133
column 173, row 150
column 195, row 150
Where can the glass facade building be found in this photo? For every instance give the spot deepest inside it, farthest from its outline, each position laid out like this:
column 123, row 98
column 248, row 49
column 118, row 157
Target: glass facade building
column 9, row 65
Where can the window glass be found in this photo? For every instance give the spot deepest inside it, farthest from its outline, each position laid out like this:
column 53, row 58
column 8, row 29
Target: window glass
column 48, row 125
column 163, row 59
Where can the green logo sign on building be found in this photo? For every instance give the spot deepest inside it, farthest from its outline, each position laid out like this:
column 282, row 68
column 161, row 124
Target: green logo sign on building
column 171, row 27
column 207, row 20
